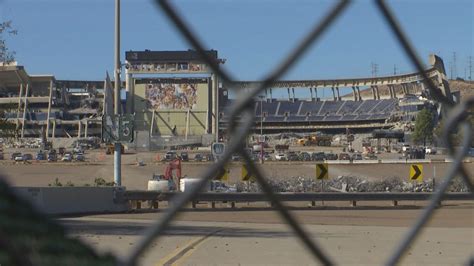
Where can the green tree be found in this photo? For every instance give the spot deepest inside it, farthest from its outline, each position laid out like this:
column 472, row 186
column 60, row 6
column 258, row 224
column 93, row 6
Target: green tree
column 6, row 29
column 424, row 126
column 456, row 136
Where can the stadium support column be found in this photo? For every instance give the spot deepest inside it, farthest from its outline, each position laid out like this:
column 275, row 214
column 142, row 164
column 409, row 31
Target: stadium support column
column 187, row 124
column 79, row 129
column 358, row 93
column 86, row 128
column 289, row 95
column 49, row 108
column 215, row 110
column 377, row 91
column 19, row 103
column 311, row 92
column 152, row 124
column 271, row 95
column 338, row 95
column 24, row 110
column 373, row 92
column 354, row 94
column 54, row 129
column 130, row 94
column 333, row 93
column 405, row 88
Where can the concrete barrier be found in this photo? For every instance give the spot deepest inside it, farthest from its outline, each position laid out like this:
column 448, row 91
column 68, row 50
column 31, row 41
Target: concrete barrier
column 73, row 200
column 366, row 162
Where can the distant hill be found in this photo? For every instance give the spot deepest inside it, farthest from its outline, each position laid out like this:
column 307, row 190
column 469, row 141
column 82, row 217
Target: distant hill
column 465, row 87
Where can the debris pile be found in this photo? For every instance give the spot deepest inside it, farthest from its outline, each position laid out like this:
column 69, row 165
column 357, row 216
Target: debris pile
column 349, row 184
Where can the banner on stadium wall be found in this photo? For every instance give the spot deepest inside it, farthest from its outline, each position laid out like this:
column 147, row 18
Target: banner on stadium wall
column 171, row 96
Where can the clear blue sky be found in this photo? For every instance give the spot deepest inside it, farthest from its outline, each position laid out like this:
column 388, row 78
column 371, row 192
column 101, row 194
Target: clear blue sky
column 73, row 39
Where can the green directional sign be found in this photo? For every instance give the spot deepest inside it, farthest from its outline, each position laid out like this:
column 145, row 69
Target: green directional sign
column 416, row 172
column 322, row 171
column 117, row 128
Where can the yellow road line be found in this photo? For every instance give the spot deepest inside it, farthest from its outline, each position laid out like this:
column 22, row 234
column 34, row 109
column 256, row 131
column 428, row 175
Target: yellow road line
column 186, row 255
column 184, row 251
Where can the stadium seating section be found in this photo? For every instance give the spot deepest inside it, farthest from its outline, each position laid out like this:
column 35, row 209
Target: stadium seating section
column 295, row 111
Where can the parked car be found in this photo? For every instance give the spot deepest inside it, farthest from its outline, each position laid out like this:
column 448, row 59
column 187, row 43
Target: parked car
column 331, row 156
column 470, row 152
column 14, row 155
column 78, row 149
column 406, row 148
column 18, row 157
column 27, row 157
column 318, row 156
column 267, row 157
column 235, row 157
column 198, row 157
column 430, row 150
column 169, row 156
column 208, row 157
column 292, row 156
column 52, row 157
column 344, row 156
column 281, row 157
column 304, row 156
column 80, row 157
column 370, row 156
column 184, row 156
column 40, row 156
column 356, row 156
column 67, row 157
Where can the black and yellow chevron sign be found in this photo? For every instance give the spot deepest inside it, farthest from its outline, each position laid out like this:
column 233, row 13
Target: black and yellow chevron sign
column 322, row 171
column 223, row 174
column 416, row 172
column 246, row 175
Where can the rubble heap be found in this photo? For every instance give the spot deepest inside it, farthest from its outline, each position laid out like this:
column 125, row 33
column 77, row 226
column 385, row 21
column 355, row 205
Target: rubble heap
column 349, row 184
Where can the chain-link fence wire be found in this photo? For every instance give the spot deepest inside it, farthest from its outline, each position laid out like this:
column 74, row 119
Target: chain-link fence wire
column 242, row 121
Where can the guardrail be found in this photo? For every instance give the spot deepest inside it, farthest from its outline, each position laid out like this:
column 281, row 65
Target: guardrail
column 211, row 197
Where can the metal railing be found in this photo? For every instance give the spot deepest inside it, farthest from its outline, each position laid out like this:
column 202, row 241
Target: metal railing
column 243, row 108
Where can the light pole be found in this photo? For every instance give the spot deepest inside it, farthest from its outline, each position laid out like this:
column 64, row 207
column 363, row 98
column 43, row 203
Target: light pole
column 118, row 146
column 261, row 129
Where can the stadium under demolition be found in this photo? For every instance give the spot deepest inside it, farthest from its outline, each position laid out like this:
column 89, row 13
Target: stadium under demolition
column 191, row 108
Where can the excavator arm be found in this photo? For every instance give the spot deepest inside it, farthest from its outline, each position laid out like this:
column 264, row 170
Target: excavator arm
column 174, row 165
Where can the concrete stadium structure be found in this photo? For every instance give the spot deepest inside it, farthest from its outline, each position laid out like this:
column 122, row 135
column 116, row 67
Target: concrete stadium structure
column 40, row 104
column 407, row 94
column 178, row 100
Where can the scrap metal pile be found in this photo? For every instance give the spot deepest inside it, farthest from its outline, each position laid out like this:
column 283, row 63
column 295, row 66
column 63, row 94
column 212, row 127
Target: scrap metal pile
column 349, row 184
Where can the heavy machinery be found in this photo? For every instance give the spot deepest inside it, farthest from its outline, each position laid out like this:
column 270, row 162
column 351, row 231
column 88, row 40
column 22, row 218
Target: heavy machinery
column 110, row 148
column 167, row 182
column 318, row 140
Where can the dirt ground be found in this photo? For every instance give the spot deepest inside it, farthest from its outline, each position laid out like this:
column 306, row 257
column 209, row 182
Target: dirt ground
column 136, row 177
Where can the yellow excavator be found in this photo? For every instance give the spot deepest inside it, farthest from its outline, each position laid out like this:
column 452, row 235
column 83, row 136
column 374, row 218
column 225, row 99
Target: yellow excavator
column 318, row 140
column 110, row 148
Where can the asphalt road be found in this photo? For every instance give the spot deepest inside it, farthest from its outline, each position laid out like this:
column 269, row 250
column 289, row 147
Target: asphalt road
column 259, row 237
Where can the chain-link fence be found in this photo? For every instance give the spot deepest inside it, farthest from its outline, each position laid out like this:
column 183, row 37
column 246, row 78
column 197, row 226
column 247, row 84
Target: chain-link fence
column 243, row 109
column 455, row 120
